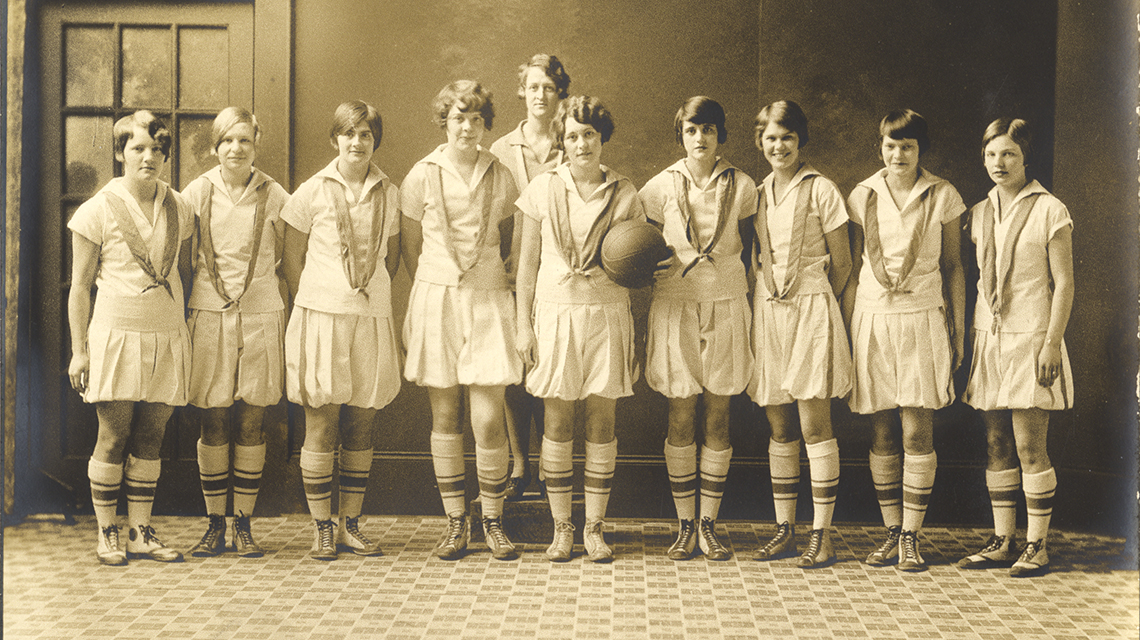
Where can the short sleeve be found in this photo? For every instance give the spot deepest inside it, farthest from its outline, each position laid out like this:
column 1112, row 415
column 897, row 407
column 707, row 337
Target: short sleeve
column 1057, row 217
column 974, row 220
column 505, row 181
column 297, row 212
column 278, row 196
column 832, row 211
column 652, row 198
column 747, row 196
column 949, row 203
column 185, row 216
column 392, row 203
column 193, row 192
column 87, row 220
column 628, row 203
column 528, row 202
column 857, row 202
column 412, row 194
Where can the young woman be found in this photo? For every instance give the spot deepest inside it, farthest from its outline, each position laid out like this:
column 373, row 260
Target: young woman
column 699, row 321
column 804, row 358
column 457, row 226
column 237, row 324
column 575, row 331
column 342, row 246
column 1020, row 369
column 131, row 352
column 906, row 321
column 528, row 150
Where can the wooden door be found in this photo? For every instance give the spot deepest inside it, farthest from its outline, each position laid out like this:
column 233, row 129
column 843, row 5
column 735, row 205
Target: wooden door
column 102, row 62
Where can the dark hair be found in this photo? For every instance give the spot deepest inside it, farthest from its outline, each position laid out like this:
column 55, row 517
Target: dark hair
column 154, row 126
column 701, row 110
column 585, row 110
column 467, row 96
column 1017, row 130
column 351, row 113
column 788, row 115
column 229, row 118
column 899, row 125
column 552, row 67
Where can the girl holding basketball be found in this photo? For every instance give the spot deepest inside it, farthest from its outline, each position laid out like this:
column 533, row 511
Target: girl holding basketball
column 342, row 245
column 1020, row 369
column 457, row 223
column 805, row 262
column 575, row 330
column 698, row 338
column 906, row 324
column 529, row 150
column 237, row 324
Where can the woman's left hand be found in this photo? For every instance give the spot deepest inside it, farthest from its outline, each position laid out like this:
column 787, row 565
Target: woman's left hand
column 1048, row 364
column 665, row 266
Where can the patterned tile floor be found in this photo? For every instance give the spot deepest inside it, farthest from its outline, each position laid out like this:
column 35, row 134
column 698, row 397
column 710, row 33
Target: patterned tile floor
column 53, row 588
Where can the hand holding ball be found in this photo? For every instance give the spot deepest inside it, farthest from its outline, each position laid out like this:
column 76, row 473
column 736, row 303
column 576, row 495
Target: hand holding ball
column 631, row 253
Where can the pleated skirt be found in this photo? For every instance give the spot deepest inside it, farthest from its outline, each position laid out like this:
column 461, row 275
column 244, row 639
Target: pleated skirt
column 341, row 359
column 801, row 350
column 1003, row 374
column 129, row 362
column 697, row 346
column 901, row 360
column 237, row 356
column 460, row 336
column 583, row 350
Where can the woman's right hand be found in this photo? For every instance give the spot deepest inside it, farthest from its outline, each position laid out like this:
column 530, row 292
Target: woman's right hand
column 525, row 343
column 79, row 371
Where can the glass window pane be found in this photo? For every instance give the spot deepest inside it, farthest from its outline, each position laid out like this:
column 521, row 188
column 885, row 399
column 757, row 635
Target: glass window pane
column 146, row 67
column 88, row 154
column 203, row 68
column 90, row 66
column 194, row 157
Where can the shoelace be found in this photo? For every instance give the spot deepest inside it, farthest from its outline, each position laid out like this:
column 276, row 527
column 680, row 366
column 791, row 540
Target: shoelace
column 454, row 531
column 891, row 542
column 993, row 544
column 148, row 536
column 782, row 531
column 815, row 542
column 494, row 530
column 325, row 531
column 354, row 531
column 685, row 535
column 111, row 533
column 245, row 536
column 909, row 546
column 708, row 532
column 1031, row 549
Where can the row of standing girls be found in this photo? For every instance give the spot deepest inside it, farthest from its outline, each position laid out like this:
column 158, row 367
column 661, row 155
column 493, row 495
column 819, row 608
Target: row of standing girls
column 463, row 222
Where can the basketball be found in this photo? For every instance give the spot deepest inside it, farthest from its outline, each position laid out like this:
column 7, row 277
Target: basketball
column 631, row 250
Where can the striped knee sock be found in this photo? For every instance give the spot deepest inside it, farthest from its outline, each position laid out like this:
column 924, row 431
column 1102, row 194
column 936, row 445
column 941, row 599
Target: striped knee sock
column 918, row 481
column 248, row 464
column 1003, row 487
column 714, row 473
column 214, row 472
column 492, row 467
column 823, row 465
column 354, row 468
column 450, row 471
column 558, row 465
column 316, row 473
column 784, row 463
column 681, row 463
column 1039, row 490
column 142, row 477
column 600, row 462
column 105, row 480
column 886, row 473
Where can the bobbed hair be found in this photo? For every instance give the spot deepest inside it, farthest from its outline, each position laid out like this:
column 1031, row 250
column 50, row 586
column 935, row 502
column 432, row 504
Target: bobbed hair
column 701, row 110
column 1017, row 130
column 788, row 115
column 154, row 126
column 467, row 96
column 586, row 110
column 902, row 124
column 350, row 114
column 552, row 67
column 229, row 118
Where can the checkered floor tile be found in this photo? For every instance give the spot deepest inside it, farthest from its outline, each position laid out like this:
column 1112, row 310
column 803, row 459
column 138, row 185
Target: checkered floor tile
column 54, row 588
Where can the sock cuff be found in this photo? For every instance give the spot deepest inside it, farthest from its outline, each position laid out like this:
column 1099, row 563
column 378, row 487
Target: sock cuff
column 785, row 449
column 714, row 456
column 481, row 452
column 557, row 451
column 603, row 451
column 1041, row 482
column 361, row 459
column 446, row 438
column 104, row 472
column 884, row 461
column 822, row 449
column 212, row 448
column 320, row 462
column 143, row 470
column 246, row 457
column 1003, row 479
column 680, row 452
column 921, row 463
